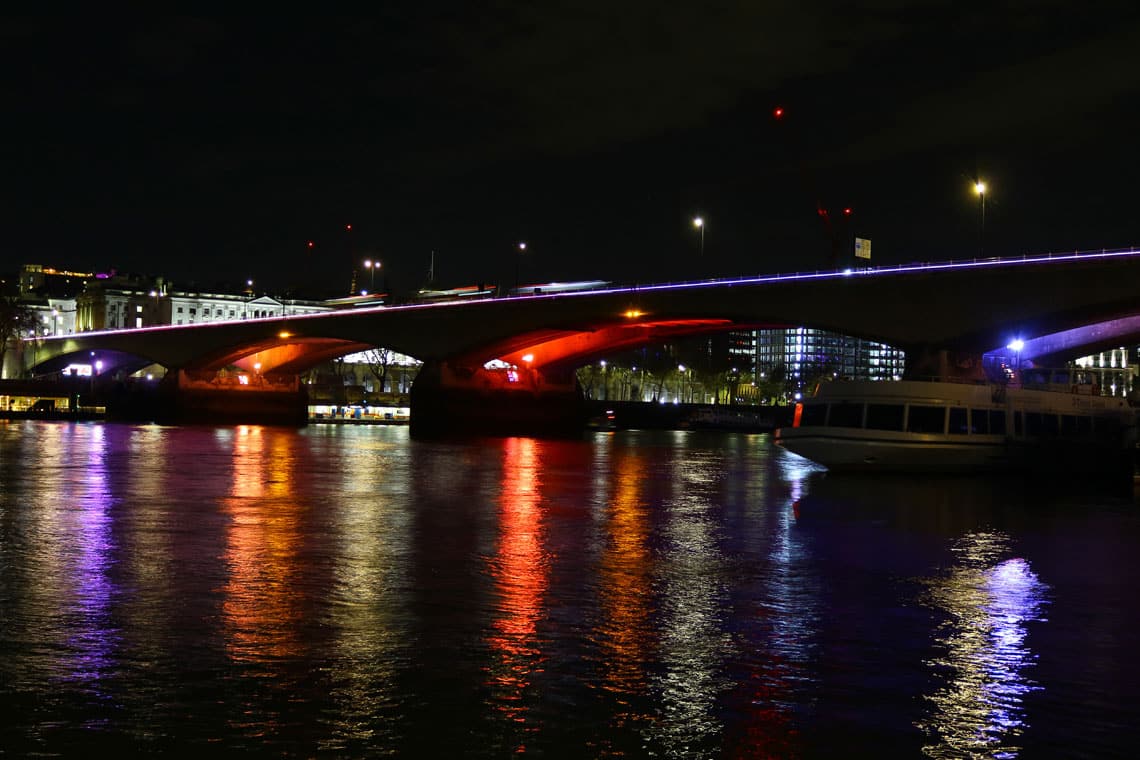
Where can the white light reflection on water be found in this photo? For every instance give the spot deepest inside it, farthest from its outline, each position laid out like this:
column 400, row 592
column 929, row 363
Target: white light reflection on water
column 787, row 620
column 977, row 710
column 694, row 644
column 367, row 614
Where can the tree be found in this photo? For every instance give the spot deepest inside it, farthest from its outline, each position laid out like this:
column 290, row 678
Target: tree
column 17, row 321
column 379, row 359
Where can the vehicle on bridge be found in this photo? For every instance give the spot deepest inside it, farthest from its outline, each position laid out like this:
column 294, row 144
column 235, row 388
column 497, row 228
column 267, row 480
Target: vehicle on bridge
column 455, row 294
column 554, row 288
column 1046, row 421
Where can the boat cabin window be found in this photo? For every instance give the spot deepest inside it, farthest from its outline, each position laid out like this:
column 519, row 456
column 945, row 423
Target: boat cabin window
column 1050, row 425
column 997, row 422
column 979, row 421
column 846, row 414
column 958, row 424
column 815, row 415
column 885, row 416
column 926, row 419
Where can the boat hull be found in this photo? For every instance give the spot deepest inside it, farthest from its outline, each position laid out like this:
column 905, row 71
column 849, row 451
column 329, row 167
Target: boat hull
column 1057, row 433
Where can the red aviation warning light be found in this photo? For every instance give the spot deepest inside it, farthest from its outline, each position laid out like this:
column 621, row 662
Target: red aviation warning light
column 778, row 113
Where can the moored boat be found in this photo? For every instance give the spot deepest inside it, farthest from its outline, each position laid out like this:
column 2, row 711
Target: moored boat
column 1049, row 421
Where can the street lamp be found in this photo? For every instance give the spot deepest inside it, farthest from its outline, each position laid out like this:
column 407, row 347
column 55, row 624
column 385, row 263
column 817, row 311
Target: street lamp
column 1016, row 346
column 518, row 263
column 371, row 266
column 699, row 223
column 980, row 189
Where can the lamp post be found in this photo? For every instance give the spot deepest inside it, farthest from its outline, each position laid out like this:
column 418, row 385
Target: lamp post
column 371, row 266
column 699, row 223
column 1016, row 346
column 518, row 264
column 980, row 189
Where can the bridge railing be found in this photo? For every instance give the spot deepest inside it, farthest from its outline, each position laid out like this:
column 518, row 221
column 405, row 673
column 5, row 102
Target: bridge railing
column 914, row 266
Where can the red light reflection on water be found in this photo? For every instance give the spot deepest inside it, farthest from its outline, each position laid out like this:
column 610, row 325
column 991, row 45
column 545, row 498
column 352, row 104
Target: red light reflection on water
column 519, row 569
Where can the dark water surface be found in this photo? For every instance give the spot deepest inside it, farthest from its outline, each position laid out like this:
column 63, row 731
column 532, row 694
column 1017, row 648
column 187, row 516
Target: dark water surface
column 344, row 591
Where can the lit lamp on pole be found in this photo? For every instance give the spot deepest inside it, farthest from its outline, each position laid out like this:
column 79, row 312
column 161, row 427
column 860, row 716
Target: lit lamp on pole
column 518, row 263
column 371, row 266
column 980, row 189
column 1016, row 346
column 699, row 224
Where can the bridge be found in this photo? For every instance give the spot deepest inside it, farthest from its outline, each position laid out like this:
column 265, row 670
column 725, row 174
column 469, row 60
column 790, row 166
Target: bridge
column 1060, row 305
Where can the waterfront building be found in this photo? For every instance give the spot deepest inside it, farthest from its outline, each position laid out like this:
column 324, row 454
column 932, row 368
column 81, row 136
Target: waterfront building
column 807, row 354
column 53, row 316
column 1115, row 370
column 121, row 305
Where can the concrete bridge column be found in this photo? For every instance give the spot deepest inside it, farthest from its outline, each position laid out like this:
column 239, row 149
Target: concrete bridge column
column 448, row 399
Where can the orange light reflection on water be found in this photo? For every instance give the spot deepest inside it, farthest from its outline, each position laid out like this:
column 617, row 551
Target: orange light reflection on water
column 259, row 606
column 626, row 581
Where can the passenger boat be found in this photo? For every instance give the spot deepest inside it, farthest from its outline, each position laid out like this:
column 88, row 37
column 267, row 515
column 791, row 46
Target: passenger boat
column 1054, row 420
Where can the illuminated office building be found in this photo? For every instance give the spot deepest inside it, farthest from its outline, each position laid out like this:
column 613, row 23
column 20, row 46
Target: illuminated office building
column 807, row 354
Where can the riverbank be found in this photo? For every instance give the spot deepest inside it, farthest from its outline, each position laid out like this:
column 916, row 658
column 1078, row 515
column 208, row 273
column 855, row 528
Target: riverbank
column 635, row 415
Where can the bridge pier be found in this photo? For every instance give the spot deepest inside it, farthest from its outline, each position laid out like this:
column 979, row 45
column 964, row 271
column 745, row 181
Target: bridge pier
column 456, row 400
column 183, row 397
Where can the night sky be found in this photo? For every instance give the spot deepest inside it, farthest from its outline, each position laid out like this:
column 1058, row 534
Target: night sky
column 211, row 151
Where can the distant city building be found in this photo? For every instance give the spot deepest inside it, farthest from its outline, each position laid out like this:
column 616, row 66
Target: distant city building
column 806, row 354
column 36, row 279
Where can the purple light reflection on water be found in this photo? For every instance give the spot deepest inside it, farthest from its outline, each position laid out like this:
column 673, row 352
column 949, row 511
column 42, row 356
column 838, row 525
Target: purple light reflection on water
column 978, row 707
column 93, row 636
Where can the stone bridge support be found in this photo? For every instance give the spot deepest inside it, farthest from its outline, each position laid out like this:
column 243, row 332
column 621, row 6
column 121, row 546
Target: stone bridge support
column 187, row 397
column 448, row 399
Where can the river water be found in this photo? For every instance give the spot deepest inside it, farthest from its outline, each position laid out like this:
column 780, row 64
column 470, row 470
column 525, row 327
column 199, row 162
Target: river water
column 344, row 591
